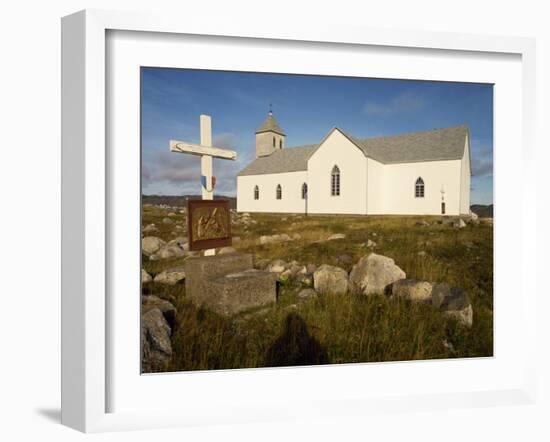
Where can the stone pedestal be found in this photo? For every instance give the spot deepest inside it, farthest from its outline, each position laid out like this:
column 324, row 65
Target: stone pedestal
column 228, row 284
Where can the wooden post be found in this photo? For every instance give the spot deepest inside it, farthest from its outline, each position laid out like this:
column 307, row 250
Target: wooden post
column 206, row 166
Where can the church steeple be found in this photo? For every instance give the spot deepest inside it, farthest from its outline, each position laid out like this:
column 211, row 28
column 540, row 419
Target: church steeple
column 269, row 136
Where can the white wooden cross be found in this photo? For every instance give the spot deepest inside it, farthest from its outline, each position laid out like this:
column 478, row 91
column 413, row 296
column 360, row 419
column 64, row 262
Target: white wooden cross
column 206, row 152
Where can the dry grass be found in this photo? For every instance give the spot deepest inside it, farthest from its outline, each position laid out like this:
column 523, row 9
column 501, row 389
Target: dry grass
column 339, row 328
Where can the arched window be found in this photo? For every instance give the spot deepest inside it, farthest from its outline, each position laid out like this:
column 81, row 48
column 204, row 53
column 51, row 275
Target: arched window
column 256, row 193
column 281, row 143
column 279, row 192
column 419, row 188
column 335, row 181
column 273, row 141
column 304, row 191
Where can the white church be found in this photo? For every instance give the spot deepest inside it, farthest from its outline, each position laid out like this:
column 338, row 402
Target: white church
column 421, row 173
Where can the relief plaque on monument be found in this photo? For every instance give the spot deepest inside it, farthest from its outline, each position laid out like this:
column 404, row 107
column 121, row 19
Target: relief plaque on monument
column 209, row 224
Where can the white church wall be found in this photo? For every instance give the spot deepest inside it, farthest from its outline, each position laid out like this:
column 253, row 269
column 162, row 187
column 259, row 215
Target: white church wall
column 336, row 149
column 375, row 197
column 465, row 181
column 291, row 185
column 399, row 188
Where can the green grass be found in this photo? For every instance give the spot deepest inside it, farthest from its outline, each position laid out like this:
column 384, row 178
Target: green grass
column 339, row 328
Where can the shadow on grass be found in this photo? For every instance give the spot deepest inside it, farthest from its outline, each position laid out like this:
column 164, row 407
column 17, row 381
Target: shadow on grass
column 295, row 346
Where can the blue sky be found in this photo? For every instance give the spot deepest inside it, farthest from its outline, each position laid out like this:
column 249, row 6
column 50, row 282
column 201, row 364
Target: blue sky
column 306, row 107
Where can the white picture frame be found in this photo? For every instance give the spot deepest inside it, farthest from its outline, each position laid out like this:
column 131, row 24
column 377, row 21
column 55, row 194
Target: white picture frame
column 86, row 213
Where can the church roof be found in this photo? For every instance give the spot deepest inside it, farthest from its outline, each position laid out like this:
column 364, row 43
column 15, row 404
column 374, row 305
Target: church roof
column 270, row 125
column 432, row 145
column 292, row 159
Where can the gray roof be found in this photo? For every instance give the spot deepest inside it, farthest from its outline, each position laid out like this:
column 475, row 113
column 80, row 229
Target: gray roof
column 292, row 159
column 270, row 125
column 432, row 145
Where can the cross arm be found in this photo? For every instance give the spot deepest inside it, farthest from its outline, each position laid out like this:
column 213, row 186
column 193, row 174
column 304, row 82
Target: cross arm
column 197, row 149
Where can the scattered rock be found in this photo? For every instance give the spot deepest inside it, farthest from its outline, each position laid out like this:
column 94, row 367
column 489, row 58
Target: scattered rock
column 457, row 223
column 413, row 290
column 296, row 236
column 261, row 263
column 371, row 244
column 171, row 276
column 167, row 309
column 344, row 260
column 145, row 277
column 150, row 228
column 307, row 293
column 226, row 250
column 305, row 279
column 277, row 266
column 310, row 268
column 336, row 236
column 330, row 279
column 272, row 239
column 181, row 242
column 156, row 348
column 422, row 253
column 422, row 223
column 151, row 244
column 285, row 275
column 464, row 316
column 454, row 302
column 167, row 221
column 374, row 273
column 168, row 252
column 296, row 268
column 474, row 218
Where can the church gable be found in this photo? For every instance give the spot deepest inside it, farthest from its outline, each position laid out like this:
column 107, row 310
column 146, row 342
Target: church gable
column 337, row 176
column 336, row 143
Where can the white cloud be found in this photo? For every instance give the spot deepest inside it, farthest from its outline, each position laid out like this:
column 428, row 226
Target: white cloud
column 482, row 159
column 167, row 172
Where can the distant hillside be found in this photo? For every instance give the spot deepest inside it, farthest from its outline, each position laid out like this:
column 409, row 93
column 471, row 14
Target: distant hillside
column 483, row 211
column 181, row 201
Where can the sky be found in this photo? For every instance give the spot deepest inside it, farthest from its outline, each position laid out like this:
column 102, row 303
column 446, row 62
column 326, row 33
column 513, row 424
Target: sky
column 307, row 107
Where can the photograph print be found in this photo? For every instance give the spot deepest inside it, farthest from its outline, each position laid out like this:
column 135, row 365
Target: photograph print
column 298, row 220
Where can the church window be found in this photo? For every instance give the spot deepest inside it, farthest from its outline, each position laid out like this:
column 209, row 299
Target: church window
column 419, row 188
column 280, row 143
column 273, row 141
column 256, row 193
column 279, row 192
column 335, row 181
column 304, row 191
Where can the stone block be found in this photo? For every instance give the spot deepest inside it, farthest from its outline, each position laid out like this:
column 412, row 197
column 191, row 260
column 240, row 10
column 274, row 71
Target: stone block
column 200, row 267
column 235, row 292
column 228, row 283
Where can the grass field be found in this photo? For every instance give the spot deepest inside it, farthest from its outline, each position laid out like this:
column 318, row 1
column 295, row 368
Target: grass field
column 338, row 328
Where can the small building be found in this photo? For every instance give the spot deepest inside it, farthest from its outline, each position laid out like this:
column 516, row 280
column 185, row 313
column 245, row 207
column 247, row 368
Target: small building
column 421, row 173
